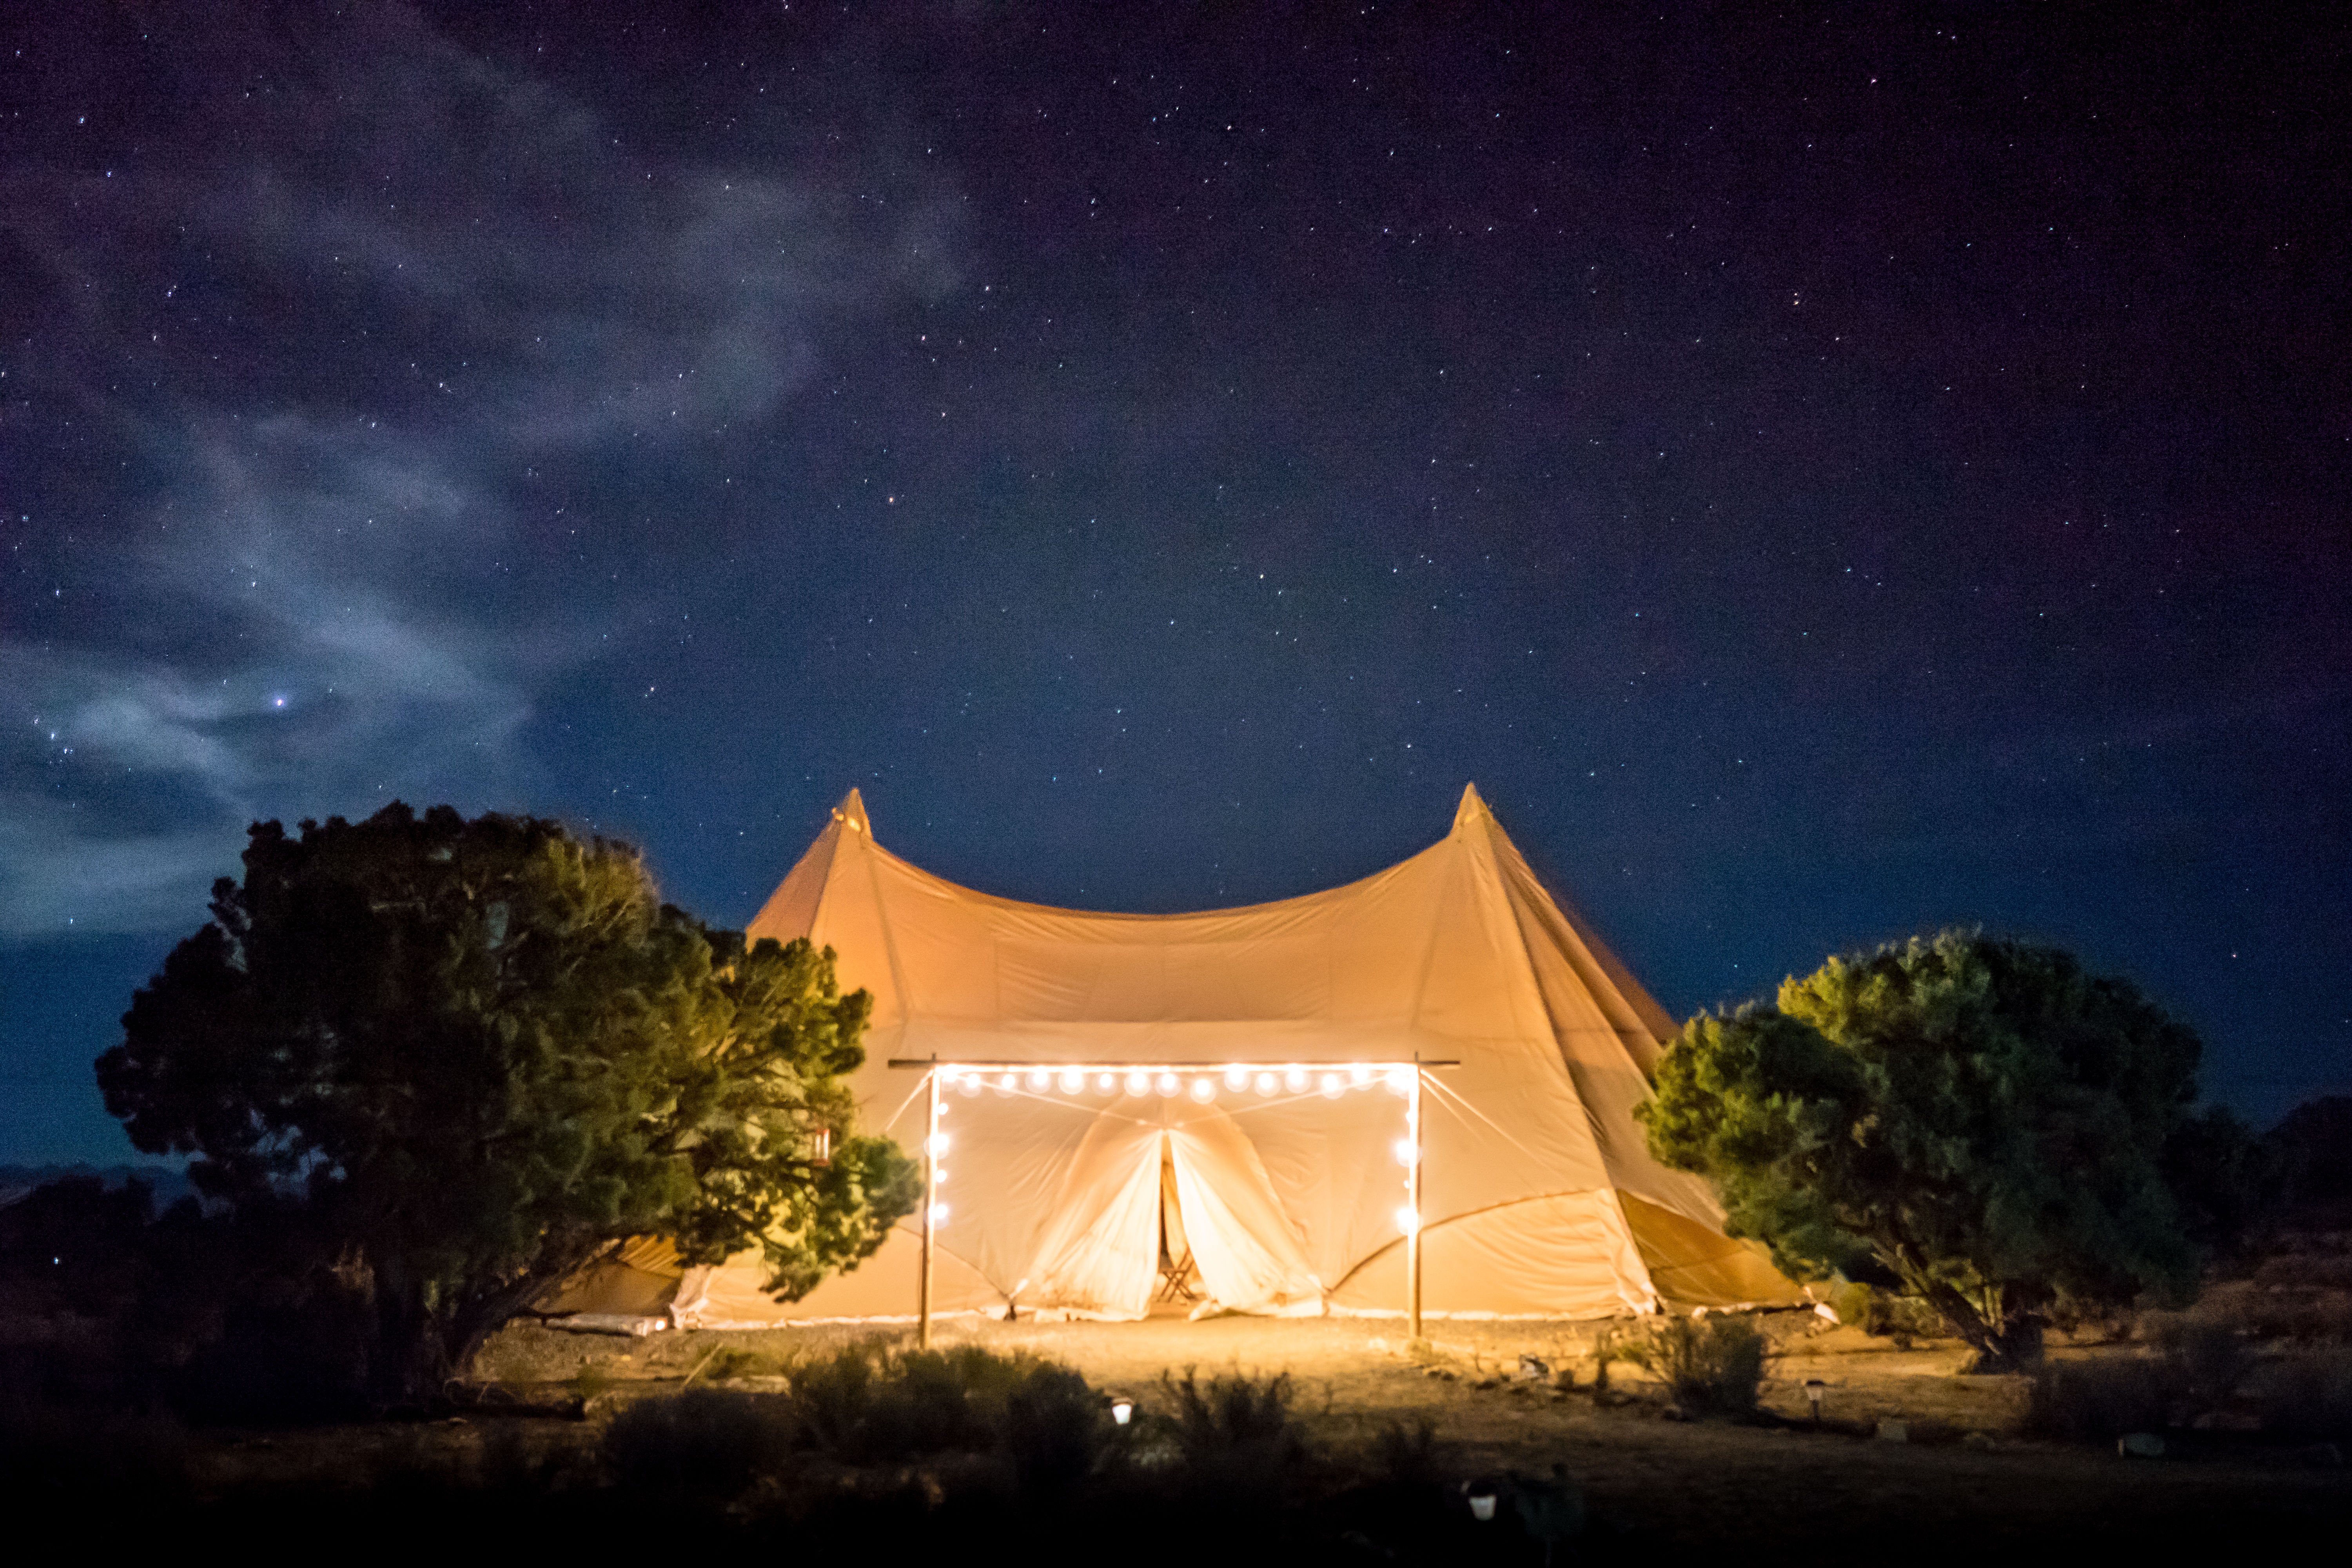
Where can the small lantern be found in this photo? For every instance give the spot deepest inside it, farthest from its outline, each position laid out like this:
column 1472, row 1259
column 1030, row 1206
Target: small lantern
column 1122, row 1410
column 821, row 1146
column 1482, row 1507
column 1814, row 1389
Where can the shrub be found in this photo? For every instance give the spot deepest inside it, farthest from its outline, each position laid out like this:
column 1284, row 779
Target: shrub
column 2306, row 1396
column 2099, row 1398
column 865, row 1405
column 1406, row 1456
column 1054, row 1429
column 2200, row 1360
column 2303, row 1316
column 1234, row 1432
column 830, row 1396
column 704, row 1445
column 1711, row 1366
column 923, row 1403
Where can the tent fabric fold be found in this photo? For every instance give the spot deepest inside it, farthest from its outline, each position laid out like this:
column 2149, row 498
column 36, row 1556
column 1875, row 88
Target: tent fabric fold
column 1540, row 1198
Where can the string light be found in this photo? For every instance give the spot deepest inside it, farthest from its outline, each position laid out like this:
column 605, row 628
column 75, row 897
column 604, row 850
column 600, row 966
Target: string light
column 1333, row 1086
column 1168, row 1086
column 1138, row 1083
column 1295, row 1079
column 1237, row 1078
column 1071, row 1080
column 1267, row 1083
column 1205, row 1089
column 1038, row 1078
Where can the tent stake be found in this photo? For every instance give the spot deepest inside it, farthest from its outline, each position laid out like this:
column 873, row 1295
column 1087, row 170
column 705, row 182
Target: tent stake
column 931, row 1203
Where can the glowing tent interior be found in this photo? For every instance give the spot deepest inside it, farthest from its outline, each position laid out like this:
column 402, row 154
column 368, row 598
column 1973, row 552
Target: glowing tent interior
column 1120, row 1091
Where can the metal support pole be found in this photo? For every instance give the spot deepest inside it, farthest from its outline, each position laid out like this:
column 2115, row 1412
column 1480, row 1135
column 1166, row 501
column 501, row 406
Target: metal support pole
column 1412, row 1184
column 930, row 1202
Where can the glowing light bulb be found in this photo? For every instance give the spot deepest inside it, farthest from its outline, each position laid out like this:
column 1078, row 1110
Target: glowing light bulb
column 1332, row 1086
column 1400, row 1080
column 1006, row 1084
column 1267, row 1083
column 1138, row 1083
column 1167, row 1085
column 1406, row 1154
column 1359, row 1075
column 968, row 1084
column 1205, row 1089
column 939, row 1144
column 1038, row 1078
column 938, row 1213
column 1295, row 1080
column 1407, row 1221
column 1104, row 1082
column 1071, row 1080
column 1237, row 1078
column 939, row 1177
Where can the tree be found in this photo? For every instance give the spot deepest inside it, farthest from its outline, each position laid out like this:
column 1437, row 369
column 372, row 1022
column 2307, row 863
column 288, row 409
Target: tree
column 1981, row 1118
column 484, row 1051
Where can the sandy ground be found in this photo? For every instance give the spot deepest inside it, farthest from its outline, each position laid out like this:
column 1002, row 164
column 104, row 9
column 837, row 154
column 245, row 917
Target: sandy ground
column 1669, row 1481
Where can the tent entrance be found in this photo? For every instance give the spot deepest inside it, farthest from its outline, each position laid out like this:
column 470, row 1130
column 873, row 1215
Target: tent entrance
column 1179, row 1284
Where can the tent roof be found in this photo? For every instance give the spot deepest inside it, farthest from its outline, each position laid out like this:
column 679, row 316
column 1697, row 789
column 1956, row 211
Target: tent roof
column 963, row 957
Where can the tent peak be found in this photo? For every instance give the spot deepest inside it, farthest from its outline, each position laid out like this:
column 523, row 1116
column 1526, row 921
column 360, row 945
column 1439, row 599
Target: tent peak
column 1471, row 809
column 852, row 811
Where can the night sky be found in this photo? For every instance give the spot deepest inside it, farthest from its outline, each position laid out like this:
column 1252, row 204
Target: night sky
column 1823, row 476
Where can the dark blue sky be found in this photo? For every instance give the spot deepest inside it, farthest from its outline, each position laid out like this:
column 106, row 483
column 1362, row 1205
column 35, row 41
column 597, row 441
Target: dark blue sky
column 1823, row 475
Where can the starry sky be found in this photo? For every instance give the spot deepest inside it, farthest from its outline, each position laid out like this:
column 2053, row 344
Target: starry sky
column 1823, row 474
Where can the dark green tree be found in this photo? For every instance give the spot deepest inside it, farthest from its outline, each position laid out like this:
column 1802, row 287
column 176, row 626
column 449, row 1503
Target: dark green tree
column 483, row 1051
column 1981, row 1118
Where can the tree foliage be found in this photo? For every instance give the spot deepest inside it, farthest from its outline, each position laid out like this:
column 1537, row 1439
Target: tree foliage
column 484, row 1051
column 1997, row 1128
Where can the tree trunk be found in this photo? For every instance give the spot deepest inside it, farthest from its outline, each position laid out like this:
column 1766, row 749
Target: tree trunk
column 2015, row 1344
column 410, row 1359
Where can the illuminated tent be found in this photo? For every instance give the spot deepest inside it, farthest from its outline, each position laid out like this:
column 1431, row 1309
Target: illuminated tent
column 1236, row 1106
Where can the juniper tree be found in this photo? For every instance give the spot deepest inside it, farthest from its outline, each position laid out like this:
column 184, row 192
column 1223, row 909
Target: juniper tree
column 1996, row 1127
column 485, row 1050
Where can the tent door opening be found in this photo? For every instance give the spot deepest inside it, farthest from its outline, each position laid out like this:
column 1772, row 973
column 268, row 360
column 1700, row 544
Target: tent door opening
column 1180, row 1280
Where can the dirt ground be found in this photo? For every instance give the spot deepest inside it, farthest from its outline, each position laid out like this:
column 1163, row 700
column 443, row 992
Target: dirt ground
column 1961, row 1464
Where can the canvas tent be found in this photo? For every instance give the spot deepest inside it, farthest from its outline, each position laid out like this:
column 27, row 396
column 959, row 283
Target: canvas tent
column 1224, row 1085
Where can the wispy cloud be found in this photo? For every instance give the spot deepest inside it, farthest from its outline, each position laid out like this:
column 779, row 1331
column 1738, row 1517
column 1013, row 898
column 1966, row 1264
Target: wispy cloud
column 358, row 307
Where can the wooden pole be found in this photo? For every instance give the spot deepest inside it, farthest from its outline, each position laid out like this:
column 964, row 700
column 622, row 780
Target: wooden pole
column 930, row 1202
column 1412, row 1186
